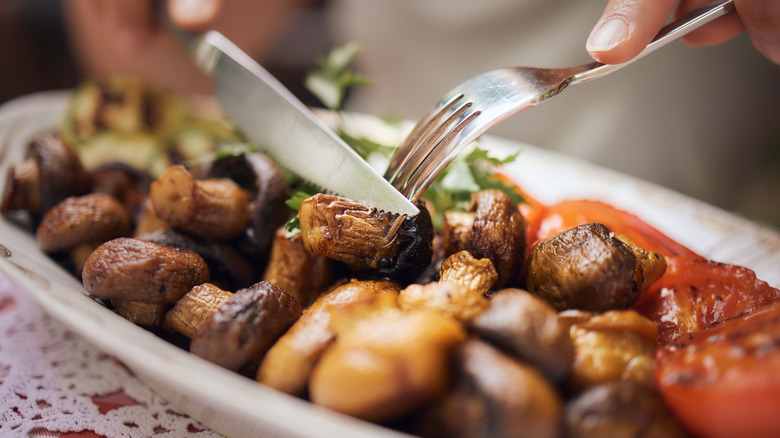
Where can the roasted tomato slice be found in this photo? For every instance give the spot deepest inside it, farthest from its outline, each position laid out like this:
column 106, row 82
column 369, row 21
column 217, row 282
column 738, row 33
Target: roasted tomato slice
column 695, row 293
column 567, row 214
column 723, row 381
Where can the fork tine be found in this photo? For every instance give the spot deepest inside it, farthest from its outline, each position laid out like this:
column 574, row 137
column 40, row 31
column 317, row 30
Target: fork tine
column 427, row 144
column 410, row 149
column 445, row 148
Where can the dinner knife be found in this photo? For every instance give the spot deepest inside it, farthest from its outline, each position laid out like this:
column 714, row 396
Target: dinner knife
column 277, row 122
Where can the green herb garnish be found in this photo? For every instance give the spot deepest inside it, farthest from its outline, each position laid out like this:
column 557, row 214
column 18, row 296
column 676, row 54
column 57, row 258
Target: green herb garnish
column 331, row 76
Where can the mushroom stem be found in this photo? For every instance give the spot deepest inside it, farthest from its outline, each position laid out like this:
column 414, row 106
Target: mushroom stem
column 23, row 190
column 216, row 208
column 194, row 309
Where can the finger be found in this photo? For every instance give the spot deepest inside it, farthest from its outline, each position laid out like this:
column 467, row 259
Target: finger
column 762, row 20
column 626, row 27
column 136, row 15
column 194, row 15
column 719, row 31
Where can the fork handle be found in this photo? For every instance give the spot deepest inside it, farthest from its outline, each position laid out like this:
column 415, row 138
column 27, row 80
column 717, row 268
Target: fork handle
column 669, row 33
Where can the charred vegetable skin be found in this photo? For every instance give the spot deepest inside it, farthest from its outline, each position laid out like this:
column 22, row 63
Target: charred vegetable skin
column 357, row 235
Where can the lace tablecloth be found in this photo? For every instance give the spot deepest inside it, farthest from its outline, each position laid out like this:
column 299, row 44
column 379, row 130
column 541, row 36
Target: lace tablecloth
column 53, row 383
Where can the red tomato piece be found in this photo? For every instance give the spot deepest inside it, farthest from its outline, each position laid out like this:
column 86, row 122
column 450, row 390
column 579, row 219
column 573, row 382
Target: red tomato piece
column 695, row 293
column 724, row 381
column 567, row 214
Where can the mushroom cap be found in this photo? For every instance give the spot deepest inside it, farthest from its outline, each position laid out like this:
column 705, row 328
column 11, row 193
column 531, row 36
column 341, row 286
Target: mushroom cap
column 135, row 270
column 529, row 329
column 586, row 267
column 242, row 329
column 498, row 233
column 96, row 217
column 62, row 174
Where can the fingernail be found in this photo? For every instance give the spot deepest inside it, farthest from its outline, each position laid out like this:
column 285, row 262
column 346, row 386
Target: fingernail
column 193, row 12
column 607, row 36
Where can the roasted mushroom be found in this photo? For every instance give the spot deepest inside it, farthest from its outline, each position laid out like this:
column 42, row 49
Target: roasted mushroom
column 529, row 329
column 294, row 269
column 615, row 345
column 134, row 270
column 387, row 364
column 93, row 218
column 367, row 240
column 590, row 268
column 494, row 229
column 127, row 184
column 259, row 176
column 620, row 409
column 50, row 173
column 460, row 292
column 289, row 363
column 227, row 268
column 495, row 396
column 216, row 208
column 137, row 312
column 233, row 330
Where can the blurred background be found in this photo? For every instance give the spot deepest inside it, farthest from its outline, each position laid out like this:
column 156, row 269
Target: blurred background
column 702, row 121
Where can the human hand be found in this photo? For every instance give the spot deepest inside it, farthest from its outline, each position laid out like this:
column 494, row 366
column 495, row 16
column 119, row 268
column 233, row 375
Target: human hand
column 627, row 26
column 130, row 37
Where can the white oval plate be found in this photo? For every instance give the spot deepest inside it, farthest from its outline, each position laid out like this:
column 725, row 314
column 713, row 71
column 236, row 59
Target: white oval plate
column 236, row 406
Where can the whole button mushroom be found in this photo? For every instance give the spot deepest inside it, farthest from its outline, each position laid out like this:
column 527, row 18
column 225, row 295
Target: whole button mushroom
column 495, row 396
column 289, row 363
column 620, row 409
column 590, row 268
column 493, row 229
column 370, row 242
column 216, row 208
column 135, row 270
column 610, row 346
column 261, row 178
column 233, row 330
column 96, row 217
column 387, row 364
column 460, row 291
column 528, row 328
column 50, row 173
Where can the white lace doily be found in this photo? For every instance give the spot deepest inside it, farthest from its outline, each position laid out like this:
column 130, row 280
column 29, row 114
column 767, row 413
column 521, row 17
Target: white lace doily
column 54, row 383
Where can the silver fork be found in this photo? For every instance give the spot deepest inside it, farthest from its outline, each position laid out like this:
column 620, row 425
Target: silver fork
column 475, row 106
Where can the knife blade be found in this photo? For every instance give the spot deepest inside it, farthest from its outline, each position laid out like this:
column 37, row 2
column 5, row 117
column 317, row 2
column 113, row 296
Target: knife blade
column 277, row 122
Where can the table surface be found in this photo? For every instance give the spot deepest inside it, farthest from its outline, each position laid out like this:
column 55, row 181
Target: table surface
column 53, row 383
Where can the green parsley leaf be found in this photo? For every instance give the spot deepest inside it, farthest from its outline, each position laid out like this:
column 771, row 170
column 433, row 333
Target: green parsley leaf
column 331, row 77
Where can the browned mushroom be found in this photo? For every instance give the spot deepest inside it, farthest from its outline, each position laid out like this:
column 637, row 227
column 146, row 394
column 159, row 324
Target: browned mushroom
column 620, row 409
column 96, row 217
column 615, row 345
column 260, row 177
column 367, row 240
column 387, row 364
column 494, row 229
column 289, row 363
column 146, row 314
column 216, row 208
column 233, row 330
column 588, row 267
column 528, row 328
column 50, row 173
column 460, row 292
column 296, row 270
column 134, row 270
column 227, row 268
column 495, row 396
column 127, row 184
